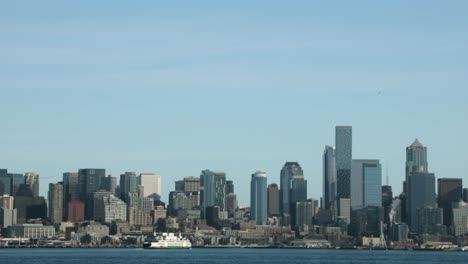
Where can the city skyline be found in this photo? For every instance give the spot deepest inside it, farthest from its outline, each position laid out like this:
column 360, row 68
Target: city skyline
column 239, row 87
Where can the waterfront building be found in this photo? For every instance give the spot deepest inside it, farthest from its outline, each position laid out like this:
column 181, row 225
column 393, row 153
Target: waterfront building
column 460, row 218
column 429, row 220
column 289, row 170
column 258, row 198
column 273, row 196
column 366, row 184
column 329, row 176
column 449, row 191
column 31, row 231
column 400, row 232
column 55, row 199
column 366, row 221
column 151, row 183
column 32, row 179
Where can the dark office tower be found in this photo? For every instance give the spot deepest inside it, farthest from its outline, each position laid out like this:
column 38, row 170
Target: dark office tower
column 465, row 195
column 214, row 188
column 229, row 187
column 70, row 190
column 329, row 176
column 258, row 198
column 289, row 170
column 16, row 180
column 28, row 206
column 89, row 181
column 273, row 200
column 421, row 193
column 387, row 200
column 128, row 184
column 32, row 179
column 179, row 186
column 110, row 184
column 5, row 182
column 298, row 194
column 344, row 156
column 55, row 197
column 449, row 191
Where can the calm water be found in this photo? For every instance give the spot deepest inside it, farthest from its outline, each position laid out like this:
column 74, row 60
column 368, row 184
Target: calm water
column 140, row 256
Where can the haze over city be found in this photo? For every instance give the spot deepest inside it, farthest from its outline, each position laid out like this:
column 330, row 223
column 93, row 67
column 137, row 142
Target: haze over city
column 175, row 88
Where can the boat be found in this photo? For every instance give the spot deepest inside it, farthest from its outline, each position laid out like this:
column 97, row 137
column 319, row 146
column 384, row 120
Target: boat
column 166, row 241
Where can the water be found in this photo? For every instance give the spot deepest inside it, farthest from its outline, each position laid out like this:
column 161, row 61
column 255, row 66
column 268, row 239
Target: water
column 140, row 256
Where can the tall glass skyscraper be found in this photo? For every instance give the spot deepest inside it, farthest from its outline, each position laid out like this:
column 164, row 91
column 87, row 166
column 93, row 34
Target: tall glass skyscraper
column 89, row 181
column 258, row 198
column 289, row 170
column 344, row 156
column 329, row 176
column 366, row 184
column 213, row 184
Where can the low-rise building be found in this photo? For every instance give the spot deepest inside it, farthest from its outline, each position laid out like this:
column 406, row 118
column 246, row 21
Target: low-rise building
column 30, row 231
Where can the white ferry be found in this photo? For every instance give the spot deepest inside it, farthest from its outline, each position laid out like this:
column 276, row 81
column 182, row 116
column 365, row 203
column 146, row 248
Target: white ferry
column 166, row 241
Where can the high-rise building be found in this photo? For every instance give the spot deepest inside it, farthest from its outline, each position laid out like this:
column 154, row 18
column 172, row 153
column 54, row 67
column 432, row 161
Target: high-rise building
column 416, row 159
column 289, row 170
column 343, row 156
column 75, row 213
column 329, row 176
column 387, row 200
column 110, row 208
column 428, row 220
column 229, row 187
column 128, row 184
column 366, row 184
column 273, row 200
column 5, row 182
column 32, row 179
column 214, row 187
column 421, row 193
column 151, row 183
column 7, row 201
column 110, row 184
column 366, row 221
column 55, row 198
column 192, row 184
column 89, row 181
column 449, row 191
column 465, row 195
column 28, row 206
column 70, row 190
column 231, row 204
column 460, row 218
column 304, row 213
column 258, row 198
column 16, row 180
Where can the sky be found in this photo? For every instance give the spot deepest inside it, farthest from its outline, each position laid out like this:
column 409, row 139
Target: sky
column 177, row 87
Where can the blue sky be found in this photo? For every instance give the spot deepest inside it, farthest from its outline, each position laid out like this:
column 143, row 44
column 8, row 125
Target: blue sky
column 176, row 88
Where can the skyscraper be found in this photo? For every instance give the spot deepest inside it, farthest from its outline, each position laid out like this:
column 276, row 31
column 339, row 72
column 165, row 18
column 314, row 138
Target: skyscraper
column 258, row 198
column 344, row 156
column 128, row 184
column 32, row 179
column 366, row 184
column 214, row 187
column 110, row 184
column 229, row 187
column 420, row 190
column 5, row 182
column 273, row 200
column 89, row 181
column 151, row 183
column 16, row 180
column 449, row 191
column 289, row 170
column 70, row 190
column 421, row 193
column 298, row 193
column 329, row 176
column 55, row 197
